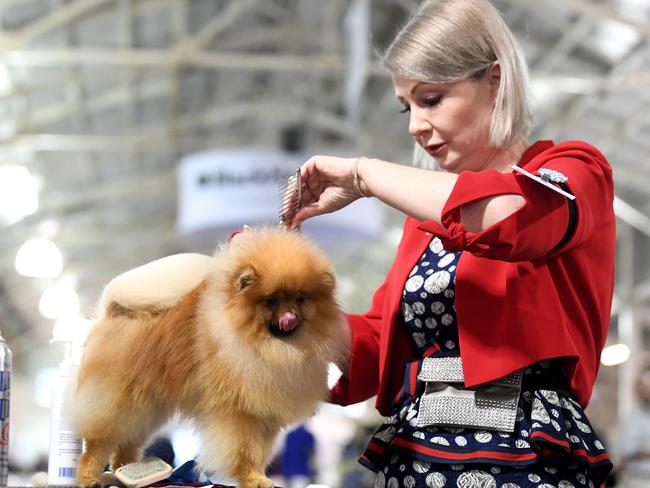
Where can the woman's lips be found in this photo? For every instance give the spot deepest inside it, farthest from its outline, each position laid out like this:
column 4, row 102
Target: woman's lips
column 436, row 150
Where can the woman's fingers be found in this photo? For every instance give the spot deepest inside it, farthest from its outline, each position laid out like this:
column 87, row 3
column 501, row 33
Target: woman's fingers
column 305, row 213
column 313, row 178
column 326, row 187
column 306, row 196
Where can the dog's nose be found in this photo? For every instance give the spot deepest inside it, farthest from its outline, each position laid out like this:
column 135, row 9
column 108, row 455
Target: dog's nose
column 288, row 321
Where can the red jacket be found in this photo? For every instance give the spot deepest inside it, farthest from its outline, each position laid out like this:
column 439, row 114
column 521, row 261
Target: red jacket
column 522, row 295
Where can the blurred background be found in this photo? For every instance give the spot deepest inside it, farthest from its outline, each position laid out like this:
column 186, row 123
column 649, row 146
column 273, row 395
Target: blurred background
column 135, row 129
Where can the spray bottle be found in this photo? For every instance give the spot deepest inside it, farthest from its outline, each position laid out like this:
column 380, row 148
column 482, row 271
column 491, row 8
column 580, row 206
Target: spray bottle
column 5, row 389
column 65, row 444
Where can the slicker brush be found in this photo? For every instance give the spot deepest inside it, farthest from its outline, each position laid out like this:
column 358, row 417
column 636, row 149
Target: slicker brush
column 290, row 193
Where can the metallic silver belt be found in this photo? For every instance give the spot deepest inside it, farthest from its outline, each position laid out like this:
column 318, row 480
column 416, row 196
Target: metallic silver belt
column 446, row 401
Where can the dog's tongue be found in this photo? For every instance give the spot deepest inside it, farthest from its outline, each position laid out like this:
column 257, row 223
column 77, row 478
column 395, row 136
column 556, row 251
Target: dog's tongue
column 288, row 321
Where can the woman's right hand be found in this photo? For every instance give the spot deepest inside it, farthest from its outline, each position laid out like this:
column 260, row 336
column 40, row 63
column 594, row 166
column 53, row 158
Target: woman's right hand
column 328, row 185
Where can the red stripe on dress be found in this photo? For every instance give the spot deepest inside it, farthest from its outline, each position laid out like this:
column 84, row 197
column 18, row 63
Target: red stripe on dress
column 431, row 350
column 413, row 378
column 363, row 457
column 399, row 395
column 503, row 456
column 592, row 459
column 376, row 447
column 550, row 438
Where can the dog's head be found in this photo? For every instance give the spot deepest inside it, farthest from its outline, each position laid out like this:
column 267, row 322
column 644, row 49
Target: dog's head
column 278, row 287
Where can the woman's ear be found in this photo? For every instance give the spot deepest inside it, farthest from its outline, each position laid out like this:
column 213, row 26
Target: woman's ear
column 494, row 77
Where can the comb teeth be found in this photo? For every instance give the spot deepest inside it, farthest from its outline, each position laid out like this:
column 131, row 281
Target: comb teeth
column 290, row 192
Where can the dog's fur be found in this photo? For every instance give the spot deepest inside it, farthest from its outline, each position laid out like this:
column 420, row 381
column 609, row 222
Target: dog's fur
column 212, row 356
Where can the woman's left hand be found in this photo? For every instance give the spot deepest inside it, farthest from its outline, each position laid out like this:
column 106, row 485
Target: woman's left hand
column 328, row 186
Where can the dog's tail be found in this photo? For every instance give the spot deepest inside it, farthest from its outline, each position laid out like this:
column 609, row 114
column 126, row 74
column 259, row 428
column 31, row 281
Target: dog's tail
column 157, row 285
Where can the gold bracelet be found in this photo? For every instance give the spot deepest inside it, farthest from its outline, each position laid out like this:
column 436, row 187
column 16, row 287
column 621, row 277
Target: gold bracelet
column 355, row 177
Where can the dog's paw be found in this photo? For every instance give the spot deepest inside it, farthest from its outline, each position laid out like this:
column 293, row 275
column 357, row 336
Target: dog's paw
column 88, row 479
column 89, row 483
column 256, row 481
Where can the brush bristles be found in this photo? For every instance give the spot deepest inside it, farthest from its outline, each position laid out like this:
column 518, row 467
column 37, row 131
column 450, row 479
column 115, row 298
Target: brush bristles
column 290, row 196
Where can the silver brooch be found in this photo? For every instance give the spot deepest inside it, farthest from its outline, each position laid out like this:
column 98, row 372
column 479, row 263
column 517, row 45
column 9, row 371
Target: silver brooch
column 552, row 176
column 546, row 177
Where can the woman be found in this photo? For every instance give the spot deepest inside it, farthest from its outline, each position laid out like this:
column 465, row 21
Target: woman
column 483, row 343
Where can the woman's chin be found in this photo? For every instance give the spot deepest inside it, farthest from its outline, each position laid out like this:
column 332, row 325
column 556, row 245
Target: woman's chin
column 447, row 163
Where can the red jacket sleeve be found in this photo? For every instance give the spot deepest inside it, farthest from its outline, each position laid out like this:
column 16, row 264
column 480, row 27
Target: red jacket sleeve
column 361, row 379
column 535, row 230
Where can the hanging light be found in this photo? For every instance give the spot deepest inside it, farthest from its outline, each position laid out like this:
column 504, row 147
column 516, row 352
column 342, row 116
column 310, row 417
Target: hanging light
column 70, row 328
column 615, row 354
column 58, row 302
column 18, row 193
column 39, row 258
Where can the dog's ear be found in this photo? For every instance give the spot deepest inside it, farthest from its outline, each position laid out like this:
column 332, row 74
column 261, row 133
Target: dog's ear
column 327, row 281
column 245, row 278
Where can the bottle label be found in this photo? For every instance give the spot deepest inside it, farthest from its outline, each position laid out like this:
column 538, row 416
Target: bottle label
column 4, row 409
column 67, row 472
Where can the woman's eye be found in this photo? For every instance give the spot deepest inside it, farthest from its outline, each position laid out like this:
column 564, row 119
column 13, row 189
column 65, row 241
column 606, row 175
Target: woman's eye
column 271, row 302
column 405, row 109
column 431, row 101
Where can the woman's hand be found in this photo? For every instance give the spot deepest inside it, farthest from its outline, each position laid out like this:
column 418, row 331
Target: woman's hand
column 328, row 185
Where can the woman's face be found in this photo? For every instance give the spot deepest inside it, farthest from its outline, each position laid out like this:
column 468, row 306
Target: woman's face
column 451, row 121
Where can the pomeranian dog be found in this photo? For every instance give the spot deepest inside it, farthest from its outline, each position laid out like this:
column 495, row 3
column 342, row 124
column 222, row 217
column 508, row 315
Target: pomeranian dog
column 239, row 342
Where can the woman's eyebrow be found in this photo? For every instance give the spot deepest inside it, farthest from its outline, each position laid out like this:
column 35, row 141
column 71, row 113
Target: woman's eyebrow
column 417, row 85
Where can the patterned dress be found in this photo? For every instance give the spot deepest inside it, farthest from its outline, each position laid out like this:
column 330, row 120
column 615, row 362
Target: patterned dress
column 553, row 444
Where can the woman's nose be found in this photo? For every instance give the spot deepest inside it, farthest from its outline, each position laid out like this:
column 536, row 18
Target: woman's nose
column 418, row 124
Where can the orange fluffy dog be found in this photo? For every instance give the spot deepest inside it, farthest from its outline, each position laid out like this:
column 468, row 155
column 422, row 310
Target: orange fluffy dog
column 239, row 342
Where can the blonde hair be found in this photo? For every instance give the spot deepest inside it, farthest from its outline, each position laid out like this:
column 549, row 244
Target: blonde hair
column 452, row 40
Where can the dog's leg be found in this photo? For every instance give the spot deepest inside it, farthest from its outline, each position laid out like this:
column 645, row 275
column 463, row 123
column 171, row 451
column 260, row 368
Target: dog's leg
column 243, row 444
column 92, row 462
column 127, row 453
column 252, row 452
column 143, row 420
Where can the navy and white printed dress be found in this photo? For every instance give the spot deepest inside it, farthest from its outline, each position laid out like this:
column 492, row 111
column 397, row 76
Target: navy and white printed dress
column 553, row 444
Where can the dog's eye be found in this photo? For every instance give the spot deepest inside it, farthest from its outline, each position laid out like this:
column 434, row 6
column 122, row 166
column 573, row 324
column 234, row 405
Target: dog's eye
column 302, row 299
column 271, row 302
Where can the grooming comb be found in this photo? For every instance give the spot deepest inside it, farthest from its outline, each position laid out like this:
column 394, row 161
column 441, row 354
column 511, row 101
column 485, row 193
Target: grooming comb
column 290, row 192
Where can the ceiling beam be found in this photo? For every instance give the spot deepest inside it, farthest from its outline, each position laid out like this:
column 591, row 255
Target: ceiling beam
column 57, row 17
column 156, row 58
column 215, row 26
column 571, row 38
column 607, row 12
column 158, row 137
column 632, row 216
